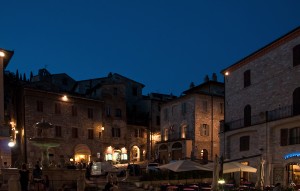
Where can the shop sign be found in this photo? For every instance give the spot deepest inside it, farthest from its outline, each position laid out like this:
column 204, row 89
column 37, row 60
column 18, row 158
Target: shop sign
column 292, row 155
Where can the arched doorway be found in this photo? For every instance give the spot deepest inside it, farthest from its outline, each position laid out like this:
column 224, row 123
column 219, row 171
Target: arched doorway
column 177, row 151
column 293, row 173
column 163, row 153
column 82, row 153
column 135, row 154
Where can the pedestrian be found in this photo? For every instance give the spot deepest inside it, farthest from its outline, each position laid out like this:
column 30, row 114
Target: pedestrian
column 46, row 183
column 24, row 177
column 37, row 177
column 277, row 187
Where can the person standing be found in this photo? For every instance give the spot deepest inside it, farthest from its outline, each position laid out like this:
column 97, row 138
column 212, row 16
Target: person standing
column 24, row 177
column 277, row 187
column 37, row 177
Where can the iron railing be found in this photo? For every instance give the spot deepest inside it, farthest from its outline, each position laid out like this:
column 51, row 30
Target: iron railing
column 262, row 117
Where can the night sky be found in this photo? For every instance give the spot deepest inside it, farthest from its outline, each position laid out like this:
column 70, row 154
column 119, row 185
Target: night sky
column 164, row 44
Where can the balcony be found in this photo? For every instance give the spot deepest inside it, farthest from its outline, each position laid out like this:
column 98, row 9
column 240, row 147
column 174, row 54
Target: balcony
column 174, row 136
column 262, row 117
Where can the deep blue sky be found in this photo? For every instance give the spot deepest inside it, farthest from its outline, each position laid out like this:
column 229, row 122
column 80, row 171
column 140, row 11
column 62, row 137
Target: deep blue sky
column 164, row 44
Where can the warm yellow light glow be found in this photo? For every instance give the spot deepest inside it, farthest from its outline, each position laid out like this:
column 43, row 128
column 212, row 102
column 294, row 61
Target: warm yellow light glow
column 2, row 54
column 16, row 131
column 226, row 73
column 71, row 159
column 11, row 144
column 65, row 98
column 221, row 181
column 123, row 150
column 102, row 128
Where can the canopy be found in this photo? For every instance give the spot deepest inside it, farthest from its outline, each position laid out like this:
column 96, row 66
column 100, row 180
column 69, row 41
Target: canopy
column 237, row 167
column 234, row 167
column 184, row 165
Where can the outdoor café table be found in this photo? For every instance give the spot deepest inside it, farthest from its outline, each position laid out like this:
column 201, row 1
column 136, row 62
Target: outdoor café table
column 172, row 188
column 195, row 187
column 206, row 188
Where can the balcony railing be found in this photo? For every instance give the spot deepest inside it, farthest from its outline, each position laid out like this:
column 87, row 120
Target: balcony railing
column 263, row 117
column 179, row 136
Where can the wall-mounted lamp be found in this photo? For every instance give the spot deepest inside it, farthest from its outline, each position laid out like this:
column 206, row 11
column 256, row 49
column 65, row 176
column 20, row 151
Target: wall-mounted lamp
column 65, row 98
column 2, row 54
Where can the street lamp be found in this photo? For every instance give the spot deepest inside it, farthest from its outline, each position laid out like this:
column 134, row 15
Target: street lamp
column 2, row 54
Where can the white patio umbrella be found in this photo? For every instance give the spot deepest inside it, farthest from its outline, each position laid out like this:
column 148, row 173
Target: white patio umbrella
column 261, row 174
column 237, row 167
column 184, row 166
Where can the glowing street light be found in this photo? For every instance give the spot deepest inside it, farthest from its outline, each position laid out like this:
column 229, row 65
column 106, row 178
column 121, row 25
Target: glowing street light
column 2, row 54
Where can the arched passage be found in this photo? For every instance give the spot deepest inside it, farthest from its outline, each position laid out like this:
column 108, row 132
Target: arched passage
column 82, row 153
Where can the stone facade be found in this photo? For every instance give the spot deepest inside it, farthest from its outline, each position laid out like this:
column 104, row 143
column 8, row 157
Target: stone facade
column 261, row 110
column 190, row 124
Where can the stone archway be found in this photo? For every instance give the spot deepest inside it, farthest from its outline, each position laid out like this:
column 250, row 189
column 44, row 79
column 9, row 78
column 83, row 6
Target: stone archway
column 135, row 154
column 82, row 153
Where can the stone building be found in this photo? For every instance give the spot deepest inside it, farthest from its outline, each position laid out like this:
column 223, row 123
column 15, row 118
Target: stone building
column 7, row 128
column 190, row 124
column 262, row 96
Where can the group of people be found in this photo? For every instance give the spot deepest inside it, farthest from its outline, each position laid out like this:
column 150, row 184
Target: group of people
column 38, row 181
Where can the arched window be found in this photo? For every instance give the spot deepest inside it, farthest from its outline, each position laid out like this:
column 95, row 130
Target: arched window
column 247, row 115
column 296, row 101
column 296, row 55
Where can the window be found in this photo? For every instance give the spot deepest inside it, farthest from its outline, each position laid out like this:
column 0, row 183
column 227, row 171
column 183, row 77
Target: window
column 134, row 91
column 107, row 111
column 166, row 114
column 39, row 106
column 204, row 131
column 247, row 78
column 74, row 132
column 244, row 143
column 90, row 113
column 221, row 108
column 294, row 136
column 74, row 110
column 183, row 109
column 290, row 136
column 118, row 113
column 204, row 106
column 139, row 133
column 57, row 108
column 247, row 116
column 296, row 101
column 184, row 131
column 157, row 120
column 90, row 134
column 115, row 91
column 116, row 132
column 204, row 155
column 166, row 135
column 58, row 131
column 296, row 55
column 284, row 137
